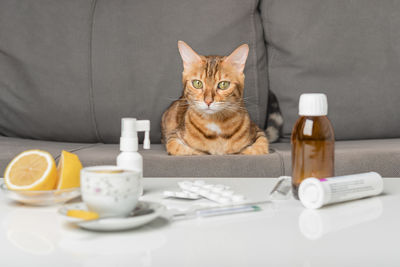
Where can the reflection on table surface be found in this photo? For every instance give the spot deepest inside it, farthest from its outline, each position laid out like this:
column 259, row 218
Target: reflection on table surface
column 316, row 223
column 37, row 231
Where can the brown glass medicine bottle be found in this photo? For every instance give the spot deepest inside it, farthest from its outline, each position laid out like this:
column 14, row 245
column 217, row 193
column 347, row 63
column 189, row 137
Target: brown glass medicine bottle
column 313, row 141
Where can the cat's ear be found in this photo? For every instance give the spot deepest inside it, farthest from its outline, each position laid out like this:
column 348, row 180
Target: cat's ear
column 238, row 57
column 188, row 55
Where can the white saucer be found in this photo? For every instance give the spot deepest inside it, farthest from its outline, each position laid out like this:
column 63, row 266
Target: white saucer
column 144, row 213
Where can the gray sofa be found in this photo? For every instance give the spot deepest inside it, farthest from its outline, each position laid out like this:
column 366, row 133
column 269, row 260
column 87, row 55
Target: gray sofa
column 69, row 70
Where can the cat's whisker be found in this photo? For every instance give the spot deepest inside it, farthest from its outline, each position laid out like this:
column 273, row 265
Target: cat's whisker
column 249, row 97
column 174, row 99
column 249, row 101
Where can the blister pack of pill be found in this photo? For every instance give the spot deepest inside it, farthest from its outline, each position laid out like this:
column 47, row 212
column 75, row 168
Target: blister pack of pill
column 219, row 193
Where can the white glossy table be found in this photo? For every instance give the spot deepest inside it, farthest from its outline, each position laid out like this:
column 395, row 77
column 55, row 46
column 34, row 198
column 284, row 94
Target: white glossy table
column 358, row 233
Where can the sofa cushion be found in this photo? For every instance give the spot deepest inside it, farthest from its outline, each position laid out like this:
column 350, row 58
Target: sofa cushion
column 44, row 70
column 347, row 49
column 156, row 161
column 382, row 156
column 69, row 70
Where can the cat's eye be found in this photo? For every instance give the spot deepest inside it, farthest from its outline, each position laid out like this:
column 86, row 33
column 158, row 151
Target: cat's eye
column 197, row 84
column 223, row 85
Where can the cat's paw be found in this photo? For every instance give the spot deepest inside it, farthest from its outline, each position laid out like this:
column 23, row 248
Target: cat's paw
column 185, row 153
column 175, row 147
column 255, row 150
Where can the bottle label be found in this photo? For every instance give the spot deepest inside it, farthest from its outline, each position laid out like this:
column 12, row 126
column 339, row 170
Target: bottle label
column 353, row 186
column 308, row 127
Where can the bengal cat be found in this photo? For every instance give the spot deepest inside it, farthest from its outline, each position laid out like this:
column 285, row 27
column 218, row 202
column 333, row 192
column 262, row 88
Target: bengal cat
column 210, row 117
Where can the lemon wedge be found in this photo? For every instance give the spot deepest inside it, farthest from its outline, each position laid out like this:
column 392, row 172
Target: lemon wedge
column 69, row 168
column 83, row 214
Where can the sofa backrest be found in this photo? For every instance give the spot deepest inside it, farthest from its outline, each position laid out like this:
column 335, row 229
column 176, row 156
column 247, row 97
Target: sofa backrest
column 349, row 50
column 70, row 70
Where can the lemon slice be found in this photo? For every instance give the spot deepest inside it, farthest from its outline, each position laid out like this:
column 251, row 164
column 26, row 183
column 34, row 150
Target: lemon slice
column 68, row 169
column 83, row 214
column 31, row 170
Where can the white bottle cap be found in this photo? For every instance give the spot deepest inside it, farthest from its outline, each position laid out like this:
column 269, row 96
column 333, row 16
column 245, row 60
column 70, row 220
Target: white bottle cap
column 311, row 193
column 129, row 139
column 313, row 105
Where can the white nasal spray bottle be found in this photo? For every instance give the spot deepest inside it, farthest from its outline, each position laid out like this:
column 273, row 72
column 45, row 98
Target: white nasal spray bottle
column 129, row 158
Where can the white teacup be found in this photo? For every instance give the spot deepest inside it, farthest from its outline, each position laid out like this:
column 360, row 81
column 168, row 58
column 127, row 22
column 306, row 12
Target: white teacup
column 109, row 190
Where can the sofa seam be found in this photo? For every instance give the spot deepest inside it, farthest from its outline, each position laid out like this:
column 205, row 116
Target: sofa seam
column 90, row 66
column 254, row 54
column 271, row 52
column 264, row 33
column 268, row 32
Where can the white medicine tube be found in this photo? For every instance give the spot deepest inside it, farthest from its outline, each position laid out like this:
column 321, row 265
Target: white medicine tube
column 315, row 193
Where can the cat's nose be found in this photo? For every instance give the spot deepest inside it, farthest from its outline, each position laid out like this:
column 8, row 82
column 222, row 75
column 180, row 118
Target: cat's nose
column 208, row 101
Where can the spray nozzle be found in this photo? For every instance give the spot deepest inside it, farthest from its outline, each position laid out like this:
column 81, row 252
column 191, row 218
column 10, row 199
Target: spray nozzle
column 144, row 126
column 129, row 129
